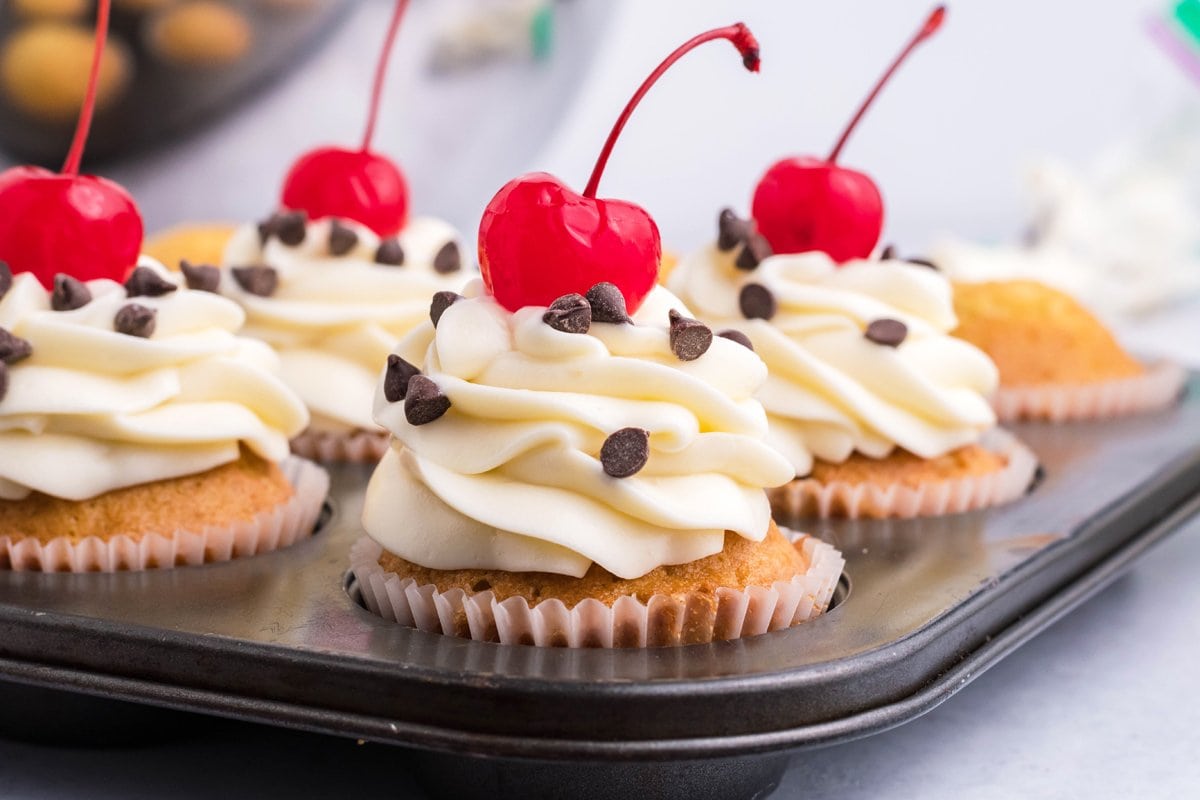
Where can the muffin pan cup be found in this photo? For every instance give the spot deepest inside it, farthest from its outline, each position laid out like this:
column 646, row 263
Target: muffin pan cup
column 924, row 606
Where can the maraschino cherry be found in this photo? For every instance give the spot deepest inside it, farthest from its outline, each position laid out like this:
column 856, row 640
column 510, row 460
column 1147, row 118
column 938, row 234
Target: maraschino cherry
column 539, row 240
column 805, row 203
column 360, row 185
column 81, row 225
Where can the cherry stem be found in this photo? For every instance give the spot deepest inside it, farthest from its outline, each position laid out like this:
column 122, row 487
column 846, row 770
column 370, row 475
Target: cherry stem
column 928, row 28
column 381, row 72
column 75, row 154
column 738, row 34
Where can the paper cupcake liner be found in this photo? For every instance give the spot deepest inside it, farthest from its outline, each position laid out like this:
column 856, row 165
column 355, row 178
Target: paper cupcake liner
column 1156, row 388
column 357, row 447
column 805, row 497
column 665, row 620
column 278, row 527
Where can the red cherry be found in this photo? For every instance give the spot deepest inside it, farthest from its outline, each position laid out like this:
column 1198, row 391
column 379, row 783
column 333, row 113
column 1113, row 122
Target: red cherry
column 538, row 240
column 81, row 225
column 354, row 184
column 805, row 203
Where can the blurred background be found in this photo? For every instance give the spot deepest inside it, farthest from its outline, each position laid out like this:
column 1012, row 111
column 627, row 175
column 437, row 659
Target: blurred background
column 1016, row 109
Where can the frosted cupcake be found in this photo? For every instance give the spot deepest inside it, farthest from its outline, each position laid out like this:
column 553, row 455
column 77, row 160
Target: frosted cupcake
column 138, row 431
column 568, row 476
column 878, row 410
column 333, row 298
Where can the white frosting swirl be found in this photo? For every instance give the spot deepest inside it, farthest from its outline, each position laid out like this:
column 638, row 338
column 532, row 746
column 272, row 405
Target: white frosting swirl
column 510, row 477
column 831, row 391
column 93, row 410
column 334, row 319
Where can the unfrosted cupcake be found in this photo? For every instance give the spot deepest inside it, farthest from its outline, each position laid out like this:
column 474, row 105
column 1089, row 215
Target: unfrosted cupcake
column 879, row 411
column 333, row 298
column 568, row 476
column 137, row 430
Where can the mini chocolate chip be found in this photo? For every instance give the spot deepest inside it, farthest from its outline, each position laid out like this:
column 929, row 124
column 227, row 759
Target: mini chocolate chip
column 570, row 313
column 922, row 262
column 888, row 253
column 887, row 332
column 69, row 293
column 135, row 320
column 757, row 302
column 448, row 259
column 753, row 252
column 689, row 339
column 200, row 277
column 732, row 230
column 145, row 282
column 608, row 304
column 625, row 452
column 291, row 227
column 390, row 253
column 261, row 281
column 440, row 302
column 13, row 348
column 266, row 229
column 6, row 279
column 3, row 379
column 395, row 379
column 342, row 238
column 737, row 336
column 424, row 401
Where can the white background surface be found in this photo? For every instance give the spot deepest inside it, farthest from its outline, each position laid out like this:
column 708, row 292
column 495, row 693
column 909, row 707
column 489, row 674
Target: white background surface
column 1102, row 705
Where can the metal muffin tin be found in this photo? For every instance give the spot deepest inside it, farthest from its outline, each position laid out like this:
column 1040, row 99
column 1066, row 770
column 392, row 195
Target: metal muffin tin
column 924, row 607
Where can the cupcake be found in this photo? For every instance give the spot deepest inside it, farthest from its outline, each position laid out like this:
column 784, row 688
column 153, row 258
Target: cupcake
column 138, row 431
column 332, row 298
column 879, row 411
column 565, row 472
column 571, row 476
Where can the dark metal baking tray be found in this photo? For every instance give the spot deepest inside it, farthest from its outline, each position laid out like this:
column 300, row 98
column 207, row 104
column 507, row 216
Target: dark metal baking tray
column 924, row 607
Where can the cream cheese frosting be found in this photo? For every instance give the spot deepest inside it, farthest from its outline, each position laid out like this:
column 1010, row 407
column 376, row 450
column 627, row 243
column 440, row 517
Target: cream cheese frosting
column 92, row 410
column 831, row 390
column 334, row 318
column 510, row 477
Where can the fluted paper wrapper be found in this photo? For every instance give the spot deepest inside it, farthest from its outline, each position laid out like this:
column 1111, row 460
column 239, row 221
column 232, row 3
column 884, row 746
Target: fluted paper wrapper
column 272, row 529
column 665, row 620
column 358, row 447
column 805, row 497
column 1158, row 387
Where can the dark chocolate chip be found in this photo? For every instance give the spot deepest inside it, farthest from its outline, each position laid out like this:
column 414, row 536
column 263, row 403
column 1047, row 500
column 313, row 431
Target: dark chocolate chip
column 732, row 230
column 395, row 379
column 888, row 253
column 757, row 302
column 135, row 320
column 200, row 277
column 753, row 252
column 737, row 336
column 440, row 302
column 266, row 229
column 424, row 401
column 625, row 452
column 887, row 332
column 390, row 253
column 689, row 339
column 13, row 348
column 608, row 304
column 291, row 227
column 145, row 282
column 448, row 259
column 922, row 262
column 570, row 313
column 69, row 293
column 261, row 281
column 3, row 379
column 6, row 279
column 342, row 238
